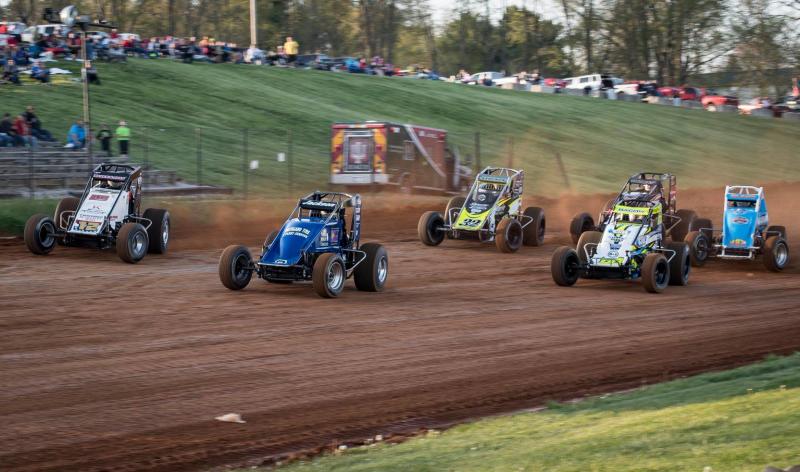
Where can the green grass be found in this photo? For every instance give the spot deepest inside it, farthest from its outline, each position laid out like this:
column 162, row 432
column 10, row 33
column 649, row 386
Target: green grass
column 14, row 213
column 738, row 420
column 600, row 141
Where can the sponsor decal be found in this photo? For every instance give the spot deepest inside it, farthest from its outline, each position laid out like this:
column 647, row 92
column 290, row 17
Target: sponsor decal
column 740, row 220
column 302, row 232
column 116, row 178
column 334, row 238
column 471, row 222
column 493, row 178
column 315, row 205
column 475, row 208
column 95, row 196
column 738, row 242
column 86, row 226
column 281, row 261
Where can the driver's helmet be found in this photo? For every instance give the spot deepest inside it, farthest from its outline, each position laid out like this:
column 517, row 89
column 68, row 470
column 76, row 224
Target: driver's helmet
column 113, row 184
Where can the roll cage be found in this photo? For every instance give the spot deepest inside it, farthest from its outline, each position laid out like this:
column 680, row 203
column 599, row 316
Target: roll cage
column 329, row 206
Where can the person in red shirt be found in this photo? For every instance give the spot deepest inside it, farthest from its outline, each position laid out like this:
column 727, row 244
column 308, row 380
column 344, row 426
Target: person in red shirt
column 22, row 130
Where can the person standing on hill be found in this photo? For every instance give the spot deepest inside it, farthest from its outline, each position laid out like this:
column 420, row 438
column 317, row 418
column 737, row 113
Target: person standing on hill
column 291, row 48
column 123, row 138
column 104, row 136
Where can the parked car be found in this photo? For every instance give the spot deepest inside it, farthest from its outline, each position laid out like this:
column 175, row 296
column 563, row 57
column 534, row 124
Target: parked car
column 593, row 82
column 33, row 32
column 684, row 93
column 484, row 78
column 553, row 82
column 789, row 103
column 713, row 101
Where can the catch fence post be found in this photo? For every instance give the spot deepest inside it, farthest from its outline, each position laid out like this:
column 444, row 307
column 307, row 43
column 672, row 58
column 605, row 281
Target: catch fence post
column 146, row 148
column 290, row 184
column 511, row 152
column 199, row 141
column 244, row 162
column 31, row 178
column 478, row 150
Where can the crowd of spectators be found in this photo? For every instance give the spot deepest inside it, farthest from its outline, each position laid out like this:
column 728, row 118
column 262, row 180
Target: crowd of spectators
column 23, row 130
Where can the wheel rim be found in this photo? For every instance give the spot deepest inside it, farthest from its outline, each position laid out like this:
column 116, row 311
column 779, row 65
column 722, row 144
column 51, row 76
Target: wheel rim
column 571, row 267
column 514, row 235
column 661, row 273
column 433, row 230
column 781, row 254
column 47, row 234
column 139, row 241
column 240, row 267
column 165, row 233
column 701, row 248
column 335, row 276
column 383, row 269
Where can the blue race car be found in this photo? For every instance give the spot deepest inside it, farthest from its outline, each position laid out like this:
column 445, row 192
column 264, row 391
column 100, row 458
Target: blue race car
column 314, row 244
column 745, row 232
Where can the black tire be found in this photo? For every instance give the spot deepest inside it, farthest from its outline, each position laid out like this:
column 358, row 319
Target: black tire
column 565, row 266
column 775, row 253
column 270, row 238
column 67, row 204
column 132, row 242
column 328, row 275
column 428, row 228
column 655, row 272
column 508, row 236
column 680, row 265
column 40, row 234
column 158, row 232
column 581, row 223
column 699, row 247
column 588, row 237
column 455, row 202
column 684, row 226
column 775, row 230
column 234, row 267
column 705, row 225
column 533, row 233
column 372, row 273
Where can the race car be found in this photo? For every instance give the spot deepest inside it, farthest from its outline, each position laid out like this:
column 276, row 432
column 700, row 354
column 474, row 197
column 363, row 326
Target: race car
column 632, row 245
column 106, row 215
column 659, row 187
column 491, row 212
column 745, row 232
column 313, row 244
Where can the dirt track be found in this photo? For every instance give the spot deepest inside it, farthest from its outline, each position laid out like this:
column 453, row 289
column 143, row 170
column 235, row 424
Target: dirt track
column 107, row 366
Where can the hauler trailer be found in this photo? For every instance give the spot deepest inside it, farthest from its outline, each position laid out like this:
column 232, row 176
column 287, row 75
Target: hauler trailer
column 410, row 157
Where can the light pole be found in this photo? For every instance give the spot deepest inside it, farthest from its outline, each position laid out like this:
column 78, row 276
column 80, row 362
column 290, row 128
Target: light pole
column 253, row 31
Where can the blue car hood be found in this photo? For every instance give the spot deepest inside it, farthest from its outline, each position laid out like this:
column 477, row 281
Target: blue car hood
column 296, row 236
column 738, row 227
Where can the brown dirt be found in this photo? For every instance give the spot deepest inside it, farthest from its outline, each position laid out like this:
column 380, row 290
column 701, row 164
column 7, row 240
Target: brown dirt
column 110, row 366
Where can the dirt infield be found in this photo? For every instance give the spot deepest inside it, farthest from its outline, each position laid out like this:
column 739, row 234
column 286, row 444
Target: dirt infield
column 108, row 366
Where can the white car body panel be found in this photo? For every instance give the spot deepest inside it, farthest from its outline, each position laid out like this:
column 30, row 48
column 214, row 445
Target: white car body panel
column 101, row 205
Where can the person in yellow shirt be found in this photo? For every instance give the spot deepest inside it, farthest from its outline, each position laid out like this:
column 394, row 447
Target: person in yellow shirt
column 290, row 48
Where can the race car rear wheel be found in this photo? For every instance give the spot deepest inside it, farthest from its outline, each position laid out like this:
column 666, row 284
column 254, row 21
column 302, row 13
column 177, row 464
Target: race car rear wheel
column 158, row 232
column 508, row 237
column 371, row 274
column 565, row 266
column 40, row 234
column 588, row 238
column 680, row 265
column 581, row 223
column 534, row 232
column 655, row 272
column 699, row 247
column 132, row 242
column 234, row 267
column 328, row 275
column 67, row 204
column 776, row 230
column 776, row 253
column 705, row 226
column 684, row 226
column 430, row 229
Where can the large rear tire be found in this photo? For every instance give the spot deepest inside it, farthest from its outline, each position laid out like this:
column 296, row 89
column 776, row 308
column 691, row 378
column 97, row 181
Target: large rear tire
column 40, row 234
column 776, row 230
column 132, row 242
column 534, row 232
column 655, row 272
column 684, row 226
column 680, row 265
column 371, row 274
column 699, row 247
column 588, row 237
column 429, row 228
column 565, row 266
column 776, row 253
column 581, row 223
column 67, row 204
column 234, row 267
column 328, row 275
column 158, row 232
column 508, row 236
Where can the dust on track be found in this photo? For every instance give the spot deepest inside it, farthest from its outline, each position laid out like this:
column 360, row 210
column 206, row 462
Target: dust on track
column 108, row 366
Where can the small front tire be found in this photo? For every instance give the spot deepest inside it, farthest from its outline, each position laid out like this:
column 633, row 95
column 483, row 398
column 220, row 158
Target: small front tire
column 430, row 228
column 235, row 267
column 508, row 237
column 565, row 266
column 328, row 275
column 655, row 272
column 40, row 234
column 776, row 253
column 699, row 248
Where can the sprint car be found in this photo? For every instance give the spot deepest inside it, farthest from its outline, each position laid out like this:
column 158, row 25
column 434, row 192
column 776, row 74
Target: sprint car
column 491, row 212
column 745, row 232
column 314, row 245
column 660, row 187
column 632, row 245
column 106, row 215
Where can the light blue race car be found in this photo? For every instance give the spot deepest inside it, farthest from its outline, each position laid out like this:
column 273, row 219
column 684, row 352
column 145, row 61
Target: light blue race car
column 745, row 232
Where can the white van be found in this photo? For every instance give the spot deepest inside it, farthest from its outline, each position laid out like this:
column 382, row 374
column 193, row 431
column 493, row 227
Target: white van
column 33, row 33
column 593, row 81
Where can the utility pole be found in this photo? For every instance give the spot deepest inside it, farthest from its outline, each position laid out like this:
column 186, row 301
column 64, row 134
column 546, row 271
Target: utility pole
column 87, row 117
column 253, row 31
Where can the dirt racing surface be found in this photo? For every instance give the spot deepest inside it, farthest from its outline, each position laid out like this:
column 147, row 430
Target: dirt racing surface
column 110, row 366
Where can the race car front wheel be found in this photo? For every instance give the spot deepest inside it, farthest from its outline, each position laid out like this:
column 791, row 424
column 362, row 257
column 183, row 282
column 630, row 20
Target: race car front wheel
column 430, row 229
column 132, row 242
column 565, row 266
column 776, row 253
column 328, row 275
column 371, row 274
column 234, row 267
column 40, row 234
column 699, row 247
column 655, row 272
column 509, row 235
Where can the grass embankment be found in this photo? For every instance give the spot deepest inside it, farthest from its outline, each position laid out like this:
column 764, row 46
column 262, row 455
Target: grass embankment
column 599, row 141
column 738, row 420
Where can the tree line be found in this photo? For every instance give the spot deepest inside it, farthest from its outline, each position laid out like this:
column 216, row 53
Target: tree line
column 671, row 41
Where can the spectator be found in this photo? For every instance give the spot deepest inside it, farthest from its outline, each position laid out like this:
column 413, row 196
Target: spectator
column 42, row 74
column 7, row 135
column 35, row 125
column 76, row 137
column 91, row 74
column 104, row 136
column 11, row 72
column 123, row 138
column 291, row 47
column 23, row 132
